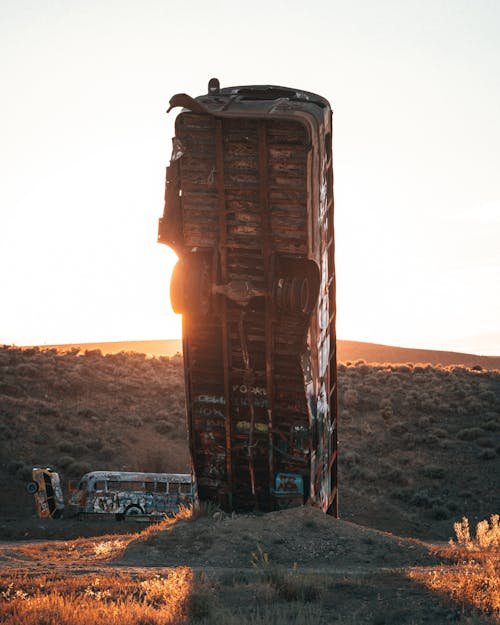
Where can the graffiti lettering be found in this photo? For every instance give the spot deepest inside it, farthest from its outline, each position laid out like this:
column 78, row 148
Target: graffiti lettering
column 210, row 399
column 210, row 412
column 258, row 402
column 287, row 483
column 252, row 390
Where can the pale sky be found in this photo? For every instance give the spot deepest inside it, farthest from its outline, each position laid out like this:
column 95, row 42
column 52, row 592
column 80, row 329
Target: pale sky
column 84, row 141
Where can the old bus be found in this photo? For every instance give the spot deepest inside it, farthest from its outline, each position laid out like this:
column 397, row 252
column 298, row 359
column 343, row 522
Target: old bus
column 249, row 213
column 126, row 494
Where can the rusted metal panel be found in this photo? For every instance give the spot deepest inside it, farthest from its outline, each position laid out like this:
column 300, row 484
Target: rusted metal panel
column 249, row 211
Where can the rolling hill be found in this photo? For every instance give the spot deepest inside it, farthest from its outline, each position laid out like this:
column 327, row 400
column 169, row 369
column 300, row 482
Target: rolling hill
column 347, row 351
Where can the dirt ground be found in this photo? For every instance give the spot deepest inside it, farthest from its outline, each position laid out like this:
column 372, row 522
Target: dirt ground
column 261, row 564
column 302, row 536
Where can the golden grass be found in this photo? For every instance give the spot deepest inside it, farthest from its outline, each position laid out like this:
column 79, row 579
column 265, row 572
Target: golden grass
column 118, row 599
column 475, row 578
column 95, row 599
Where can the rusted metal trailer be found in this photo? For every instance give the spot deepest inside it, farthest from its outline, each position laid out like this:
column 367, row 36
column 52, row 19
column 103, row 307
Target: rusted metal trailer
column 249, row 212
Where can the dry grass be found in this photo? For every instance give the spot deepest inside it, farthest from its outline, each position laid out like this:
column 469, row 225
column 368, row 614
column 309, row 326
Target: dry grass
column 121, row 599
column 487, row 534
column 475, row 579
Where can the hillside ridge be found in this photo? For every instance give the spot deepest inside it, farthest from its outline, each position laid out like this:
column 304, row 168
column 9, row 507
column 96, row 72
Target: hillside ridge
column 346, row 351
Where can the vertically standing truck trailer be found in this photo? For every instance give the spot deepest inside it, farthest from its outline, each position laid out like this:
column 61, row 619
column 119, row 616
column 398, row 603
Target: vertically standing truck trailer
column 249, row 212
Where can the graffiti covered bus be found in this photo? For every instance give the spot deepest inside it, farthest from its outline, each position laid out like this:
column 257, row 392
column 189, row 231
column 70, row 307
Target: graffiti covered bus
column 249, row 213
column 127, row 494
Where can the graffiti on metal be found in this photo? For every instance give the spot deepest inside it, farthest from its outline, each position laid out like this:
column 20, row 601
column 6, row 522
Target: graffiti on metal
column 249, row 212
column 126, row 493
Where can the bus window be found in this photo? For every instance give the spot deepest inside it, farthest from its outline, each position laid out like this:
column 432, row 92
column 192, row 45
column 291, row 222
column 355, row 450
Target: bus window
column 100, row 485
column 185, row 488
column 173, row 487
column 114, row 485
column 149, row 487
column 161, row 487
column 131, row 486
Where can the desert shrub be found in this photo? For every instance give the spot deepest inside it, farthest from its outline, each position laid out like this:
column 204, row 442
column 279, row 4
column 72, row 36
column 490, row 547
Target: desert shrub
column 386, row 409
column 426, row 403
column 430, row 439
column 440, row 512
column 473, row 405
column 358, row 472
column 13, row 466
column 469, row 434
column 26, row 370
column 363, row 368
column 345, row 414
column 94, row 444
column 65, row 461
column 398, row 429
column 132, row 419
column 86, row 413
column 439, row 432
column 487, row 397
column 234, row 578
column 433, row 472
column 350, row 457
column 350, row 398
column 408, row 441
column 422, row 499
column 424, row 422
column 24, row 472
column 6, row 432
column 77, row 469
column 394, row 475
column 163, row 427
column 446, row 443
column 491, row 426
column 202, row 602
column 487, row 454
column 294, row 586
column 485, row 441
column 487, row 533
column 68, row 446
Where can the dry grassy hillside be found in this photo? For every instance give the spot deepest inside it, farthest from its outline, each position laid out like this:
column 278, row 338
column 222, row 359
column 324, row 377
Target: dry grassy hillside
column 419, row 444
column 346, row 350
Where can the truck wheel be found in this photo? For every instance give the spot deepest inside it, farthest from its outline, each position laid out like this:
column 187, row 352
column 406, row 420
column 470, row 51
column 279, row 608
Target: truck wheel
column 133, row 511
column 190, row 285
column 32, row 488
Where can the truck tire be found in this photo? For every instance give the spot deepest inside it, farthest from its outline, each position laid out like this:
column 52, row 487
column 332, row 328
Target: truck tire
column 32, row 488
column 133, row 511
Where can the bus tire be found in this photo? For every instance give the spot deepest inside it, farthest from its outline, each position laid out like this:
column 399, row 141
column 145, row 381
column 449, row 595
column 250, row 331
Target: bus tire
column 133, row 511
column 32, row 488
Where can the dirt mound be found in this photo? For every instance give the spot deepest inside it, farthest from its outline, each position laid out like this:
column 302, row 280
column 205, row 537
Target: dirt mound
column 302, row 535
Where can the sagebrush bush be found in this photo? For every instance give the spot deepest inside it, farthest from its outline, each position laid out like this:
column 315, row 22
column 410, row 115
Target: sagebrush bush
column 77, row 469
column 65, row 461
column 163, row 427
column 469, row 434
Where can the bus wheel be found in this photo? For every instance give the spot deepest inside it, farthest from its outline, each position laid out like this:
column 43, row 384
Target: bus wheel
column 133, row 511
column 32, row 488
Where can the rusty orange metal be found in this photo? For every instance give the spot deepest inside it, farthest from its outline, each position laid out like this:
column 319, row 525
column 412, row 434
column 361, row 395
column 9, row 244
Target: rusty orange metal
column 249, row 212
